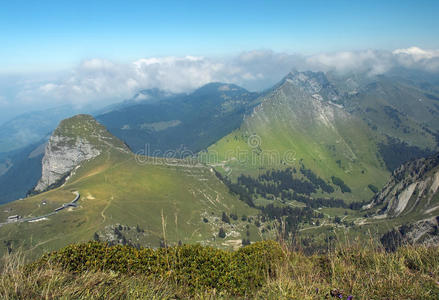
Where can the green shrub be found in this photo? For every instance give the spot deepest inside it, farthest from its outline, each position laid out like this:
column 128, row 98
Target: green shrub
column 194, row 266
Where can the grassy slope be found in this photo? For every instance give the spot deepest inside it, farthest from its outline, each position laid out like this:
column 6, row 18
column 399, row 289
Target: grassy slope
column 114, row 189
column 289, row 125
column 412, row 110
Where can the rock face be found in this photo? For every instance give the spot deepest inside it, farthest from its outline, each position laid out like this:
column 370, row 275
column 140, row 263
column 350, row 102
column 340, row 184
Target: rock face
column 76, row 140
column 423, row 232
column 61, row 158
column 412, row 187
column 412, row 193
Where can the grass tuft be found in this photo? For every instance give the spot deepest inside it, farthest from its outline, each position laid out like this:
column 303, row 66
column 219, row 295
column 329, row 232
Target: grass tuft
column 264, row 270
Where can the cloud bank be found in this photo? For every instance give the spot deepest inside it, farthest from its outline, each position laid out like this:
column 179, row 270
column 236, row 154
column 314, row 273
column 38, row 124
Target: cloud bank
column 98, row 81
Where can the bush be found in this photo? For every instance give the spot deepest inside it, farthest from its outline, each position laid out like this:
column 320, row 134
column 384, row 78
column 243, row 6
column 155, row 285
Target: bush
column 221, row 233
column 194, row 266
column 338, row 181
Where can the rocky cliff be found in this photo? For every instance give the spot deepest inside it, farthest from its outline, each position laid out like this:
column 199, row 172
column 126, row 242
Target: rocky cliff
column 412, row 188
column 76, row 140
column 423, row 232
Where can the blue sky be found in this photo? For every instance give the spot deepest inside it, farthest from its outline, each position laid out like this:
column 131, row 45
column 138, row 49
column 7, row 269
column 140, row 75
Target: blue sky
column 52, row 35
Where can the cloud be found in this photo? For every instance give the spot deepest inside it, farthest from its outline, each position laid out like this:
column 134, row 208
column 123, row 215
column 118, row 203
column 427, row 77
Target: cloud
column 416, row 53
column 418, row 58
column 99, row 81
column 371, row 61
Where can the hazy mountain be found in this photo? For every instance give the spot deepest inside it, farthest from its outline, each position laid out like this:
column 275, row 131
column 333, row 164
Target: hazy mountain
column 20, row 171
column 144, row 96
column 31, row 127
column 182, row 122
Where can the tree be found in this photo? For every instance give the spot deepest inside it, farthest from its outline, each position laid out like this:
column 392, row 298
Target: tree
column 221, row 233
column 225, row 218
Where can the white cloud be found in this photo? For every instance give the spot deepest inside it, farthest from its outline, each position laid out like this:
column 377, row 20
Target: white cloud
column 103, row 81
column 418, row 58
column 416, row 53
column 371, row 61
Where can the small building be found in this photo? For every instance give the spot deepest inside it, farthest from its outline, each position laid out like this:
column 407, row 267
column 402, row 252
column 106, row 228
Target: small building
column 13, row 218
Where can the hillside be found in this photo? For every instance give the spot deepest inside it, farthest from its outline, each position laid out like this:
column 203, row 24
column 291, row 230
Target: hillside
column 299, row 123
column 123, row 198
column 399, row 110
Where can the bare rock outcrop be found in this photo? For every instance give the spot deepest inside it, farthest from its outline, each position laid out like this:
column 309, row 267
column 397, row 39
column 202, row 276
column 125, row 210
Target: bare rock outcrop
column 76, row 140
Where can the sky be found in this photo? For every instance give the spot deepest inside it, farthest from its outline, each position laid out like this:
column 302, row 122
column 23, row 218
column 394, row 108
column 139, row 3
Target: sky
column 37, row 35
column 79, row 52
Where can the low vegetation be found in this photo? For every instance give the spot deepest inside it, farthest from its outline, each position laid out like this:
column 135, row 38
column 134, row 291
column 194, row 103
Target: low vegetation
column 262, row 270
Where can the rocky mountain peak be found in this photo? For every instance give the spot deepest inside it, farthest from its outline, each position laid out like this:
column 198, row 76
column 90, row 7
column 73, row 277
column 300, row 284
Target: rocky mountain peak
column 314, row 83
column 74, row 141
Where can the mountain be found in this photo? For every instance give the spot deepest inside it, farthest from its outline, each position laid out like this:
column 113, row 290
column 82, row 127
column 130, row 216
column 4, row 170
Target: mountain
column 123, row 197
column 394, row 108
column 143, row 96
column 300, row 124
column 181, row 123
column 19, row 173
column 355, row 127
column 31, row 127
column 76, row 139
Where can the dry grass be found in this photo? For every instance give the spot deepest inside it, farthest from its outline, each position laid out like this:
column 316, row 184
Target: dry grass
column 360, row 271
column 54, row 283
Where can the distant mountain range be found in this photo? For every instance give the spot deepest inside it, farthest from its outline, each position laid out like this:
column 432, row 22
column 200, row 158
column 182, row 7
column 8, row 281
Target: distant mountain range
column 354, row 128
column 181, row 123
column 224, row 166
column 30, row 128
column 336, row 125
